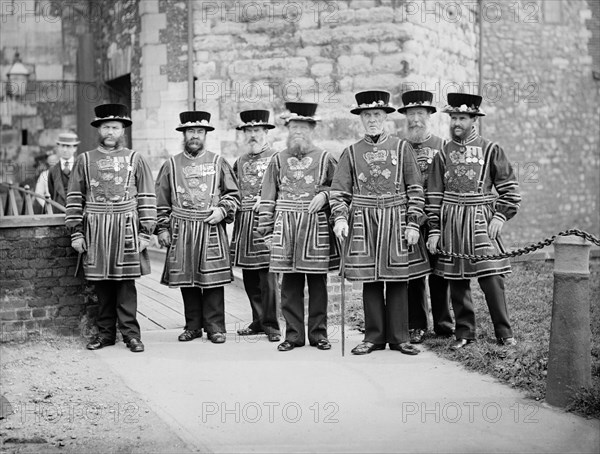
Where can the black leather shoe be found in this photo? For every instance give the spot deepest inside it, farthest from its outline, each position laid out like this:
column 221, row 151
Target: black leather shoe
column 248, row 332
column 274, row 337
column 135, row 345
column 217, row 338
column 285, row 346
column 416, row 336
column 405, row 348
column 507, row 341
column 364, row 348
column 190, row 334
column 99, row 342
column 324, row 344
column 460, row 343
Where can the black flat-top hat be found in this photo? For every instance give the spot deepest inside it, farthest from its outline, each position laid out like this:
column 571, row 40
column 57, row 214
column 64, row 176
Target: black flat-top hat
column 251, row 118
column 417, row 98
column 372, row 99
column 194, row 119
column 464, row 103
column 300, row 111
column 111, row 112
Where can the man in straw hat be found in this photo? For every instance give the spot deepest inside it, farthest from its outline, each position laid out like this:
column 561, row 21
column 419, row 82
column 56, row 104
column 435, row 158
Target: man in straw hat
column 59, row 174
column 111, row 211
column 467, row 217
column 377, row 201
column 418, row 108
column 197, row 194
column 294, row 212
column 248, row 249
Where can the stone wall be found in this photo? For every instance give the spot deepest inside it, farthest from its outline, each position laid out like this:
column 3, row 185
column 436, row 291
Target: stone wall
column 261, row 54
column 38, row 290
column 44, row 33
column 163, row 85
column 543, row 106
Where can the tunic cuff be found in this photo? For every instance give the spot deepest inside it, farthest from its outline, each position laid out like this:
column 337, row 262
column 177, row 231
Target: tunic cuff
column 160, row 230
column 434, row 232
column 339, row 219
column 144, row 236
column 499, row 216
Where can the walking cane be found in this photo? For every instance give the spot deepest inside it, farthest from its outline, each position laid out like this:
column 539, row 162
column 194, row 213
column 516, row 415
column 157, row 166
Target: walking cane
column 343, row 289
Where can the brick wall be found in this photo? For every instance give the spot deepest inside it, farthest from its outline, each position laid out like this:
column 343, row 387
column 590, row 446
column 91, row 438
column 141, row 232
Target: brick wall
column 38, row 290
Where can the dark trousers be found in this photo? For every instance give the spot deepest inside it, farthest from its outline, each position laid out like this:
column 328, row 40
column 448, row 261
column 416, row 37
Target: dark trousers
column 292, row 307
column 462, row 303
column 386, row 317
column 440, row 305
column 204, row 308
column 117, row 304
column 261, row 288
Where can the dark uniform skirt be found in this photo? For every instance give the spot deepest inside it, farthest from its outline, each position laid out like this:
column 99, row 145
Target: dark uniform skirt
column 469, row 216
column 111, row 235
column 248, row 249
column 376, row 249
column 302, row 242
column 199, row 252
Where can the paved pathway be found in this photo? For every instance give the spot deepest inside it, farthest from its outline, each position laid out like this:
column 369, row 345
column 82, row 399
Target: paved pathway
column 245, row 396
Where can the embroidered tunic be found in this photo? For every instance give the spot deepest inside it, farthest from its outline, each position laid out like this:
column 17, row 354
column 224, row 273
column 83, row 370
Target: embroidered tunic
column 425, row 152
column 301, row 242
column 460, row 204
column 186, row 187
column 111, row 203
column 248, row 249
column 377, row 190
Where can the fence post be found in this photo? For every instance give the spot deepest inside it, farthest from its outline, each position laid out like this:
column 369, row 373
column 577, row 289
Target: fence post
column 569, row 360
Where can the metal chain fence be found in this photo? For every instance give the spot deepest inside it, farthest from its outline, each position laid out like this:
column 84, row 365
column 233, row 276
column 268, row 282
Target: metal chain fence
column 527, row 249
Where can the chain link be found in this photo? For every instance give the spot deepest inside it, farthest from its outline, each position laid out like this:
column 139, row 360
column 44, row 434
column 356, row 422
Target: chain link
column 524, row 250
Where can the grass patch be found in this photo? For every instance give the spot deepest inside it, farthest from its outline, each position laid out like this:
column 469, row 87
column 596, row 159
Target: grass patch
column 529, row 291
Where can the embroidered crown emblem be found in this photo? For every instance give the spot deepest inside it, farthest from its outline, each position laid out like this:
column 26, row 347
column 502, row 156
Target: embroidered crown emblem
column 105, row 165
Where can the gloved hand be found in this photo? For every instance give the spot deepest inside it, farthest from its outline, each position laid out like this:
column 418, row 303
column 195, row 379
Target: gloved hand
column 216, row 216
column 495, row 228
column 432, row 243
column 143, row 243
column 317, row 202
column 340, row 229
column 257, row 204
column 164, row 238
column 79, row 245
column 412, row 236
column 269, row 242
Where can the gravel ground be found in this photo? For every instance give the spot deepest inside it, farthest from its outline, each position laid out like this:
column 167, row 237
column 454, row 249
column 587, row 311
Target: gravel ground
column 64, row 400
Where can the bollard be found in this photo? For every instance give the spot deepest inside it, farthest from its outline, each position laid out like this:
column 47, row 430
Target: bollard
column 569, row 359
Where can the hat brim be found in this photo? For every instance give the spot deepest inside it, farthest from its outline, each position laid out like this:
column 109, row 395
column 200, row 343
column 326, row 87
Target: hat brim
column 183, row 128
column 403, row 109
column 386, row 109
column 304, row 119
column 99, row 121
column 68, row 143
column 254, row 125
column 474, row 114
